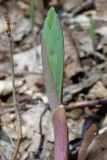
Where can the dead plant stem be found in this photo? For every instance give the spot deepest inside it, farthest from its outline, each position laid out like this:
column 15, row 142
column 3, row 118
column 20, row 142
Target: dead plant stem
column 19, row 129
column 14, row 92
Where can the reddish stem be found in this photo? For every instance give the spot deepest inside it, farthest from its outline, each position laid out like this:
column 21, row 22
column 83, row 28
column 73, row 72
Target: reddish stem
column 60, row 134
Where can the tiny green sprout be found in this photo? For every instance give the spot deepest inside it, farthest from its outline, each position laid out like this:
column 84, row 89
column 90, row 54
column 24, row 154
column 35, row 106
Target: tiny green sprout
column 92, row 30
column 32, row 12
column 54, row 45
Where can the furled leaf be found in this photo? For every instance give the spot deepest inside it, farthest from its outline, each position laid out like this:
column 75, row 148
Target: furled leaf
column 54, row 46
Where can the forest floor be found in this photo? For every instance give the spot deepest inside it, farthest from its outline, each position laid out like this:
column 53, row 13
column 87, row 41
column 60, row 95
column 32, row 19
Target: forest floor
column 84, row 25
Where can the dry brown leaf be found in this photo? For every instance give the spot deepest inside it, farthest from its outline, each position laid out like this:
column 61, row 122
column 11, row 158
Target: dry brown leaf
column 90, row 135
column 98, row 148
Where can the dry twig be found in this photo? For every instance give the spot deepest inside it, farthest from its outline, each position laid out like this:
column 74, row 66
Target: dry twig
column 83, row 104
column 19, row 129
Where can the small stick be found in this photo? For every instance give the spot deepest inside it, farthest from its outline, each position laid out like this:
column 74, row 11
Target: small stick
column 83, row 104
column 19, row 129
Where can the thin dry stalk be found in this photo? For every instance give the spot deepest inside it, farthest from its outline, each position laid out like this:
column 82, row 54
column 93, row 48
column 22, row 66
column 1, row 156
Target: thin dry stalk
column 17, row 149
column 19, row 129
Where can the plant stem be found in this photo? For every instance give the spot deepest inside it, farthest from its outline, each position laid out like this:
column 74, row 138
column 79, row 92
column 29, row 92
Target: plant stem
column 14, row 92
column 60, row 134
column 19, row 129
column 58, row 119
column 53, row 65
